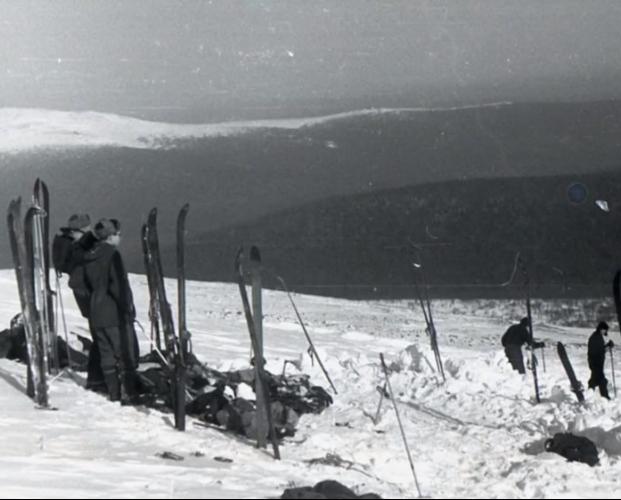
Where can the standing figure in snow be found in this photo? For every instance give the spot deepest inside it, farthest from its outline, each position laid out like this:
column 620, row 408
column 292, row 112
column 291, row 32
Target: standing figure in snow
column 68, row 251
column 597, row 358
column 111, row 310
column 513, row 340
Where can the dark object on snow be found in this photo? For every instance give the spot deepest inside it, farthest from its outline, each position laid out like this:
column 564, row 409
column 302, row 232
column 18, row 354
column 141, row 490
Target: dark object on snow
column 13, row 341
column 573, row 448
column 169, row 455
column 597, row 359
column 13, row 347
column 576, row 386
column 214, row 396
column 513, row 340
column 325, row 489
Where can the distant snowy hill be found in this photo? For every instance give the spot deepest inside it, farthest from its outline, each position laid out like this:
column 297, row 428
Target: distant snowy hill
column 403, row 168
column 27, row 129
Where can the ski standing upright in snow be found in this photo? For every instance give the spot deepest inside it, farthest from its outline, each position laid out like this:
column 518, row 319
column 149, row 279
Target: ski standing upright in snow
column 173, row 352
column 531, row 341
column 264, row 421
column 576, row 386
column 425, row 303
column 616, row 293
column 41, row 271
column 183, row 336
column 22, row 261
column 155, row 337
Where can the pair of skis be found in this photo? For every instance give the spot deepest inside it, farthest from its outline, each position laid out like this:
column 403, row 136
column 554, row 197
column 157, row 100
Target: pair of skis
column 616, row 292
column 425, row 304
column 28, row 237
column 254, row 318
column 521, row 266
column 176, row 345
column 41, row 271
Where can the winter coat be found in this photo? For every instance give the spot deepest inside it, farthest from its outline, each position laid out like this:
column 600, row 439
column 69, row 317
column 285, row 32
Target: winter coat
column 68, row 257
column 516, row 335
column 597, row 351
column 111, row 299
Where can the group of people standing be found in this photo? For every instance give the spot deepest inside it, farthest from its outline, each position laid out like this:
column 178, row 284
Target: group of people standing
column 90, row 257
column 518, row 335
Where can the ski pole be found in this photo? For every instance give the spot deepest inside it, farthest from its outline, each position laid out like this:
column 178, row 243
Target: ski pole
column 153, row 346
column 543, row 357
column 379, row 406
column 394, row 403
column 612, row 366
column 310, row 342
column 59, row 301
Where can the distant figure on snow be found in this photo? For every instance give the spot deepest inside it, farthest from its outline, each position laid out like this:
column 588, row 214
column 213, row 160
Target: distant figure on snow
column 513, row 340
column 597, row 358
column 112, row 311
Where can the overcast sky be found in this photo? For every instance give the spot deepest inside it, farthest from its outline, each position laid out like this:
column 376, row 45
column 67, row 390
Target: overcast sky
column 216, row 60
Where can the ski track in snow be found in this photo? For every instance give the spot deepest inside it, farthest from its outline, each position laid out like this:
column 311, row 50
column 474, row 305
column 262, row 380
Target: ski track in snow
column 479, row 435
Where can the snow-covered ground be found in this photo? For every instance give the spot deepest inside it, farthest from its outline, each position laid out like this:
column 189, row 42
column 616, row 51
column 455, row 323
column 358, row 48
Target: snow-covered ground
column 478, row 435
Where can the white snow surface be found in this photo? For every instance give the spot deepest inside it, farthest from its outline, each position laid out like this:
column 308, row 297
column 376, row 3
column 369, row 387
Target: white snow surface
column 479, row 435
column 25, row 129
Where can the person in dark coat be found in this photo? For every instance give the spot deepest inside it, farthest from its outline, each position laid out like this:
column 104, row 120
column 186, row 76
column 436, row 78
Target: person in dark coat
column 513, row 340
column 597, row 358
column 112, row 311
column 68, row 252
column 68, row 249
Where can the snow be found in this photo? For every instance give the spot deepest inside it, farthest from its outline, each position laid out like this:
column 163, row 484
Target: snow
column 25, row 129
column 479, row 435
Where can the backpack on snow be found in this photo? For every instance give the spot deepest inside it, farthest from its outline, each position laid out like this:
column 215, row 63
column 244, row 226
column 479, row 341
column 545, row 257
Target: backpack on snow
column 573, row 448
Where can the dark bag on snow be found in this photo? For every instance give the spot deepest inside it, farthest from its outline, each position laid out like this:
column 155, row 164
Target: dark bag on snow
column 574, row 448
column 324, row 490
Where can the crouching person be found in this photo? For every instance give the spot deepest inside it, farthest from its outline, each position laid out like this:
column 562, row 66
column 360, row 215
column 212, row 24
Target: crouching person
column 112, row 311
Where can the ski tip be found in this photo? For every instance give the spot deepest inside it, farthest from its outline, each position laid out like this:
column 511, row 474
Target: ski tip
column 238, row 259
column 182, row 216
column 255, row 254
column 153, row 213
column 383, row 361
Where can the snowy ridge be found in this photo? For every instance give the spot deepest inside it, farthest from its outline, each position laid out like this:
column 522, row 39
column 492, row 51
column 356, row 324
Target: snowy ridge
column 479, row 435
column 24, row 129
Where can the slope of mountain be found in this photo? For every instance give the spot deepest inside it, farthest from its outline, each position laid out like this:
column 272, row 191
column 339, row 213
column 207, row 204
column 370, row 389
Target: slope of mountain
column 232, row 179
column 467, row 234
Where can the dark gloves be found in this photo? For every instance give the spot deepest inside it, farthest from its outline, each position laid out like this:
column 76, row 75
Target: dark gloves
column 610, row 344
column 539, row 345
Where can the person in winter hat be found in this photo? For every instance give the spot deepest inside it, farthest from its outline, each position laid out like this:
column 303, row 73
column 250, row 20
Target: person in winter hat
column 112, row 310
column 597, row 358
column 68, row 250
